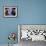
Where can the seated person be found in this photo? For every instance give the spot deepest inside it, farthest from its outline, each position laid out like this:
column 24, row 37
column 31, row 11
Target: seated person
column 13, row 12
column 6, row 11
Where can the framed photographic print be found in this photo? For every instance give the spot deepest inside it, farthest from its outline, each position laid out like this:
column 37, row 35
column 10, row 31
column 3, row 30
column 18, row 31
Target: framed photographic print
column 33, row 32
column 10, row 11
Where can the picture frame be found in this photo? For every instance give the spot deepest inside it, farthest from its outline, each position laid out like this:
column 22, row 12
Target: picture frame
column 33, row 31
column 10, row 11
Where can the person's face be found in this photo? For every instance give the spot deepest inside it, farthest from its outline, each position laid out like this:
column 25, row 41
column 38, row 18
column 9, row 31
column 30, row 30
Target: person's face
column 6, row 9
column 13, row 9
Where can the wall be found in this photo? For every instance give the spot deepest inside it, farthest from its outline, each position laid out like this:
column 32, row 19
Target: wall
column 29, row 12
column 7, row 25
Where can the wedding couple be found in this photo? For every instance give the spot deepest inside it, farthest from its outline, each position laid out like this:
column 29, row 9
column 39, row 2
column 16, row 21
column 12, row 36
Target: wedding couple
column 7, row 12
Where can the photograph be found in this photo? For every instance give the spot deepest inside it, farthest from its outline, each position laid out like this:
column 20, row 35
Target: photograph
column 10, row 11
column 32, row 32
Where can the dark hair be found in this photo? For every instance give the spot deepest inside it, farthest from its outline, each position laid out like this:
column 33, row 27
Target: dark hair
column 14, row 8
column 6, row 8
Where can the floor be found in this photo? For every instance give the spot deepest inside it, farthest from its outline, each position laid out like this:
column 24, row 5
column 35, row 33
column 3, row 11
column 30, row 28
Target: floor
column 7, row 45
column 30, row 43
